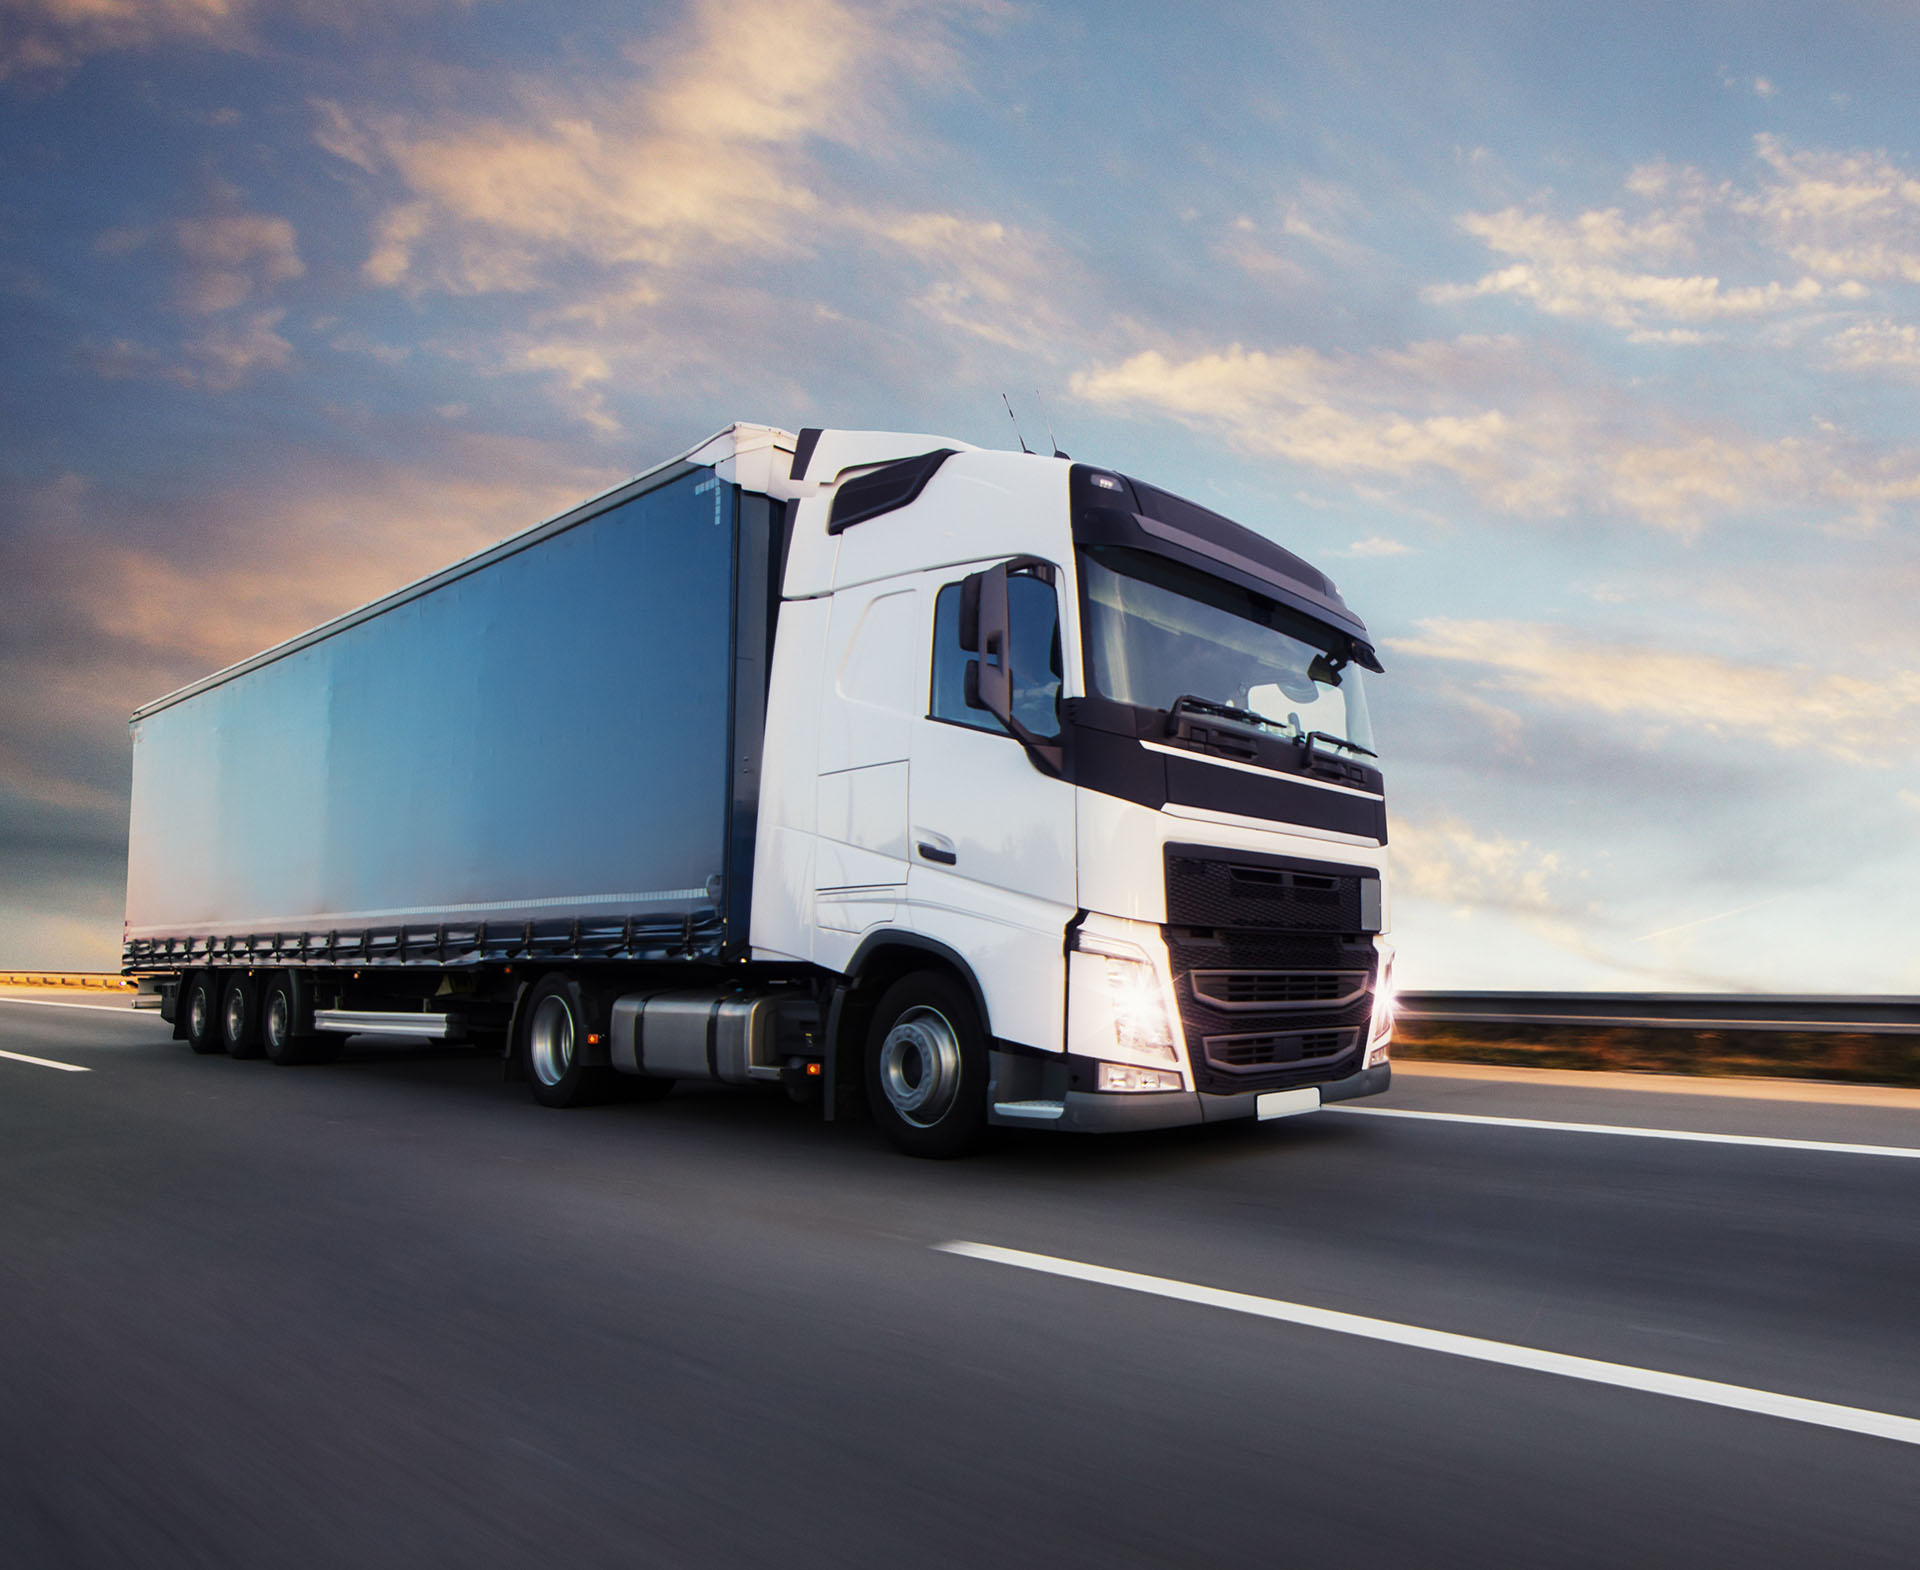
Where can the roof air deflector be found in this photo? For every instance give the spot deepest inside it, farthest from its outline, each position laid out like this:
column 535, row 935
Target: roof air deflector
column 883, row 490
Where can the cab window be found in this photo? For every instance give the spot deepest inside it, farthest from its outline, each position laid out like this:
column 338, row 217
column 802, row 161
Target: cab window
column 1035, row 615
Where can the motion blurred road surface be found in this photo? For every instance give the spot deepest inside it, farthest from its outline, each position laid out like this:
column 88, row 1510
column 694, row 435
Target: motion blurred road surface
column 389, row 1312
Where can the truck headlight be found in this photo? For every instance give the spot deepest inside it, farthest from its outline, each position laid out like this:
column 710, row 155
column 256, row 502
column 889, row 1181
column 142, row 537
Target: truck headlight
column 1380, row 1032
column 1134, row 996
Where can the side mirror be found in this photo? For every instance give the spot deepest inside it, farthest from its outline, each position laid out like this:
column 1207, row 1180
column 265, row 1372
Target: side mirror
column 986, row 628
column 990, row 678
column 970, row 614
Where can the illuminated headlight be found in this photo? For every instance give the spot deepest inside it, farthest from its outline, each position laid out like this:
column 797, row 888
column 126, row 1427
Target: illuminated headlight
column 1126, row 1077
column 1139, row 1014
column 1380, row 1035
column 1134, row 995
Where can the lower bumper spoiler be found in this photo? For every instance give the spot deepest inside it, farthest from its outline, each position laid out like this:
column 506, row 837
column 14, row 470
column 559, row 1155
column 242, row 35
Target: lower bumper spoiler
column 1089, row 1112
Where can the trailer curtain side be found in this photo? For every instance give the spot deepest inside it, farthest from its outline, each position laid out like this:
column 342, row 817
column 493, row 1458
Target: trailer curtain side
column 536, row 753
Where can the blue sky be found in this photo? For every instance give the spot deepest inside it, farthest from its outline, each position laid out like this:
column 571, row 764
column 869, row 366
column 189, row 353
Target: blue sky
column 1580, row 344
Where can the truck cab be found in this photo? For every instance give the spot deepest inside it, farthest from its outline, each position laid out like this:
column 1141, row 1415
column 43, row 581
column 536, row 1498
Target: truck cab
column 1094, row 764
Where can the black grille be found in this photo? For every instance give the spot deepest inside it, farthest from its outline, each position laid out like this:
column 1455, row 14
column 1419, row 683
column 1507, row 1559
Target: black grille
column 1236, row 991
column 1252, row 1054
column 1211, row 892
column 1273, row 968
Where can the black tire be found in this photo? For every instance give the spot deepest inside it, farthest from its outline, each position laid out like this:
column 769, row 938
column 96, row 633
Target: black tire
column 552, row 1043
column 240, row 1016
column 286, row 1030
column 926, row 1065
column 200, row 1013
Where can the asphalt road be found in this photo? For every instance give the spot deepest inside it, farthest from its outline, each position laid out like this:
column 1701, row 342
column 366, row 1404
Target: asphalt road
column 389, row 1312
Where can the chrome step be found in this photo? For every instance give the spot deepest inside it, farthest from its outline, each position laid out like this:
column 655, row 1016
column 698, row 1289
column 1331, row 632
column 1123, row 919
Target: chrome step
column 357, row 1022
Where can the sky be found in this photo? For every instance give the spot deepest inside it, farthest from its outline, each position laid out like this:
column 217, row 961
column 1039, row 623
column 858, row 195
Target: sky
column 1579, row 344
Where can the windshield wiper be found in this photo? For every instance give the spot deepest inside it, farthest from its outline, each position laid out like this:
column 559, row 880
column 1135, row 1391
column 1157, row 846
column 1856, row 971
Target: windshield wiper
column 1339, row 741
column 1189, row 704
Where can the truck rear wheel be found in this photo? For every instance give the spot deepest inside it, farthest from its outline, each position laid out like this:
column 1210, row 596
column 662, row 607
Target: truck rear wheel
column 553, row 1046
column 240, row 1016
column 200, row 1013
column 285, row 1033
column 927, row 1067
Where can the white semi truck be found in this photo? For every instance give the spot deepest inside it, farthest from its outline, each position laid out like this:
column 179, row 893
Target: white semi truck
column 978, row 787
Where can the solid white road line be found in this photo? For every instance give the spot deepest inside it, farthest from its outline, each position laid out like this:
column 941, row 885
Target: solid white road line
column 1798, row 1409
column 1833, row 1147
column 65, row 1068
column 98, row 1008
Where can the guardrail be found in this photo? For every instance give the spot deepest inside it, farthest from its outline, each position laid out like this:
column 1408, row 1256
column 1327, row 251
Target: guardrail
column 98, row 981
column 1810, row 1013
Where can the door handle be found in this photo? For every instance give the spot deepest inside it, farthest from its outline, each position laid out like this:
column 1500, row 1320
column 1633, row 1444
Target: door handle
column 936, row 848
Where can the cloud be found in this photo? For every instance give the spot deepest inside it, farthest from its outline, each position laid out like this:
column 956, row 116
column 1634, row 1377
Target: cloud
column 49, row 38
column 223, row 262
column 1571, row 269
column 1378, row 545
column 1804, row 236
column 992, row 282
column 1668, row 694
column 1445, row 860
column 218, row 358
column 701, row 153
column 1852, row 214
column 1881, row 346
column 1299, row 404
column 229, row 257
column 1487, row 414
column 626, row 208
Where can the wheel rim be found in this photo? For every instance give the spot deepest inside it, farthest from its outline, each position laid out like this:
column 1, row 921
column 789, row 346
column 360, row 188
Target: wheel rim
column 197, row 1012
column 550, row 1040
column 277, row 1020
column 236, row 1013
column 920, row 1066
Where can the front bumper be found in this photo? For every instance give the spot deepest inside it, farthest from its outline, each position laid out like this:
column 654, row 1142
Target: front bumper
column 1091, row 1112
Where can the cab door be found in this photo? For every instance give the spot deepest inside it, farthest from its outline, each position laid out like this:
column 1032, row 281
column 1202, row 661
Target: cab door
column 990, row 868
column 868, row 704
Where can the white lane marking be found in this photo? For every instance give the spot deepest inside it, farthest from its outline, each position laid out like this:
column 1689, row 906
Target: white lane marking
column 1763, row 1141
column 1768, row 1403
column 65, row 1068
column 57, row 1003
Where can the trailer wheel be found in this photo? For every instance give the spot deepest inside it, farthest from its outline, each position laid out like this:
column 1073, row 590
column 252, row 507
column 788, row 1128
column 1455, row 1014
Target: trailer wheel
column 927, row 1066
column 281, row 1021
column 200, row 1013
column 240, row 1016
column 552, row 1047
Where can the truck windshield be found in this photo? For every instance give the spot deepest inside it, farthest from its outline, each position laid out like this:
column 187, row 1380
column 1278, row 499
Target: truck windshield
column 1158, row 631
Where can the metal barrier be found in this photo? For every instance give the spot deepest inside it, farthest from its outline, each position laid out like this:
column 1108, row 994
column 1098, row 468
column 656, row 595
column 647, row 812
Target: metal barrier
column 94, row 980
column 1810, row 1013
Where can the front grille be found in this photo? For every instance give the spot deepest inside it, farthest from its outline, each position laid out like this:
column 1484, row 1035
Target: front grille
column 1243, row 991
column 1208, row 891
column 1253, row 1054
column 1274, row 967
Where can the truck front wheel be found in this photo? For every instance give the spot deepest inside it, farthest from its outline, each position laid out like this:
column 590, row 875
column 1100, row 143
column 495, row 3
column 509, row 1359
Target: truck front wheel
column 553, row 1047
column 927, row 1067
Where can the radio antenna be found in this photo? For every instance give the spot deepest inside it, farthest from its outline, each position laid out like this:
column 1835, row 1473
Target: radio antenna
column 1016, row 424
column 1049, row 424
